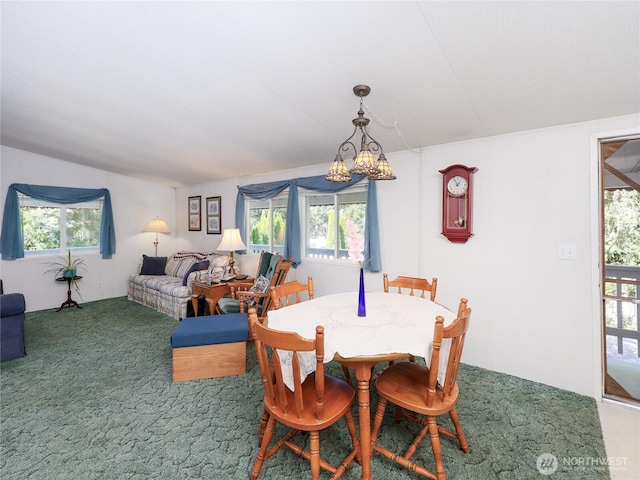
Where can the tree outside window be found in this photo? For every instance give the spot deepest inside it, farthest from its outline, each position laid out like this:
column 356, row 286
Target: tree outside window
column 325, row 221
column 622, row 248
column 622, row 227
column 267, row 225
column 54, row 228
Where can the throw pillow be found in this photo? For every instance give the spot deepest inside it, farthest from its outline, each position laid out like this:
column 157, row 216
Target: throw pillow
column 153, row 265
column 177, row 267
column 185, row 265
column 172, row 266
column 203, row 265
column 261, row 285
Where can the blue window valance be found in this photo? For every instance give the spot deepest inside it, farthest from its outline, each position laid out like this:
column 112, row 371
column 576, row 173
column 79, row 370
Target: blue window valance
column 292, row 237
column 12, row 234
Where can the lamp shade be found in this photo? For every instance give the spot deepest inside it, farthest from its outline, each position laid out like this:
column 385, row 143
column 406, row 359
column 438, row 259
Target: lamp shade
column 157, row 225
column 231, row 240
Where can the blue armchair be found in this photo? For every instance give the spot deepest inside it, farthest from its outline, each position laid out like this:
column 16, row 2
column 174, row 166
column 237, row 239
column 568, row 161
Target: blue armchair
column 12, row 307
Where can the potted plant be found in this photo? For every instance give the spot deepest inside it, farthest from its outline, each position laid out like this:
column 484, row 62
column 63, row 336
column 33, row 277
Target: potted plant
column 68, row 268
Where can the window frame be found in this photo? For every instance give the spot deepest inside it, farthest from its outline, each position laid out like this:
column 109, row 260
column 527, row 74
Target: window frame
column 280, row 198
column 304, row 204
column 27, row 201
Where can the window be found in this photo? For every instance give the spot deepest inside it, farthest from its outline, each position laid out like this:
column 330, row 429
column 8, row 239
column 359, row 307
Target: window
column 325, row 216
column 267, row 222
column 54, row 228
column 355, row 200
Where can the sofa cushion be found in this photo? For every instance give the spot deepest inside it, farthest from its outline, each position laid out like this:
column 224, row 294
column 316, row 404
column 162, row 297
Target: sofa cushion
column 162, row 283
column 153, row 265
column 174, row 289
column 203, row 265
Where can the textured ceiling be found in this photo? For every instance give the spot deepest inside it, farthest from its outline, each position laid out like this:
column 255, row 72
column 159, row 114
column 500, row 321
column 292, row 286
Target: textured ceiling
column 190, row 92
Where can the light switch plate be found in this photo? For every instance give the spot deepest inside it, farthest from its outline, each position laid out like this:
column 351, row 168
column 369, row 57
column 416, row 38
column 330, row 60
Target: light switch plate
column 567, row 252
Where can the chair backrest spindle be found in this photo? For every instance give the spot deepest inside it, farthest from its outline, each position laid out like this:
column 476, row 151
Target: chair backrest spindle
column 288, row 293
column 413, row 284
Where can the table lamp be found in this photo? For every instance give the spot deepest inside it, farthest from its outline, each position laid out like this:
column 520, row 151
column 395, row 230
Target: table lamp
column 231, row 241
column 157, row 225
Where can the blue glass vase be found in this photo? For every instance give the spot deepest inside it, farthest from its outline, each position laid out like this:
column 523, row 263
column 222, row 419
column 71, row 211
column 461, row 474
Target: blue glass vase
column 362, row 308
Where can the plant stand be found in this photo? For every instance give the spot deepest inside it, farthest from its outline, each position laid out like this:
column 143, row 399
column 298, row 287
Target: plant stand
column 68, row 302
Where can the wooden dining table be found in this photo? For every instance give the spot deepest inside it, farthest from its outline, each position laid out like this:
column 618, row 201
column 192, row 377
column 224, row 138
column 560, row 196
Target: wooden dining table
column 395, row 326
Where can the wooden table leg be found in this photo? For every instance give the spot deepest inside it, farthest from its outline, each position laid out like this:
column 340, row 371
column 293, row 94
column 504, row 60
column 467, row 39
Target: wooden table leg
column 194, row 304
column 363, row 376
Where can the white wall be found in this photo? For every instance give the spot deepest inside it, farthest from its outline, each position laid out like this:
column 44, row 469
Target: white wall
column 535, row 316
column 134, row 203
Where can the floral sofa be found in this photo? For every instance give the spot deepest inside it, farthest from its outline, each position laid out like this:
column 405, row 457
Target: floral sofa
column 166, row 283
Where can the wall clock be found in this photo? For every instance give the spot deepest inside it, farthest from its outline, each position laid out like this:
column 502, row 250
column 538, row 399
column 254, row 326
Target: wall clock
column 457, row 202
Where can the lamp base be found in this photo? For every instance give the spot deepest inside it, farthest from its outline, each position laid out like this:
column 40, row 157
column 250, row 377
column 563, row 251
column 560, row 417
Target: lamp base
column 232, row 265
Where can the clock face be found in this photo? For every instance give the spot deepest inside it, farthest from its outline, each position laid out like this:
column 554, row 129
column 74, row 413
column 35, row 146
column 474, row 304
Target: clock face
column 457, row 186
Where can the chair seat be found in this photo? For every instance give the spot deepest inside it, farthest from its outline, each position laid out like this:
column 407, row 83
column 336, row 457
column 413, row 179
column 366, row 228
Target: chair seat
column 232, row 305
column 229, row 305
column 339, row 392
column 405, row 384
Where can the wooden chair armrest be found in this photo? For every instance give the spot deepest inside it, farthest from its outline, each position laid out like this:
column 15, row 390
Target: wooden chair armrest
column 245, row 296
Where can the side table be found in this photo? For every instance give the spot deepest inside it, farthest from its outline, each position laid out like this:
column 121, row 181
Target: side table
column 68, row 302
column 212, row 293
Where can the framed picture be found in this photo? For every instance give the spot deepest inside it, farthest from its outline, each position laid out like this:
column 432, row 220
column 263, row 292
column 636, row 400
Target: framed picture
column 194, row 213
column 214, row 221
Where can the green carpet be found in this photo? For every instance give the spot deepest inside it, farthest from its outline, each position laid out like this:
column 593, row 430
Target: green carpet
column 93, row 399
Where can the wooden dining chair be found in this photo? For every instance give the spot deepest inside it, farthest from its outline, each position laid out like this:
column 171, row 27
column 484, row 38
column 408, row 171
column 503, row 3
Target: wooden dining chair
column 421, row 398
column 283, row 295
column 411, row 285
column 290, row 292
column 315, row 403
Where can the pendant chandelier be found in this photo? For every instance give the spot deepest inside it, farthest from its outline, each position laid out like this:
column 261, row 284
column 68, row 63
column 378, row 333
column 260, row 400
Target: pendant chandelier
column 364, row 163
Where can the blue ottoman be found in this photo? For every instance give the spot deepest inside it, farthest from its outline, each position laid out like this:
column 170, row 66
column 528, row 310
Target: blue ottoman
column 210, row 346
